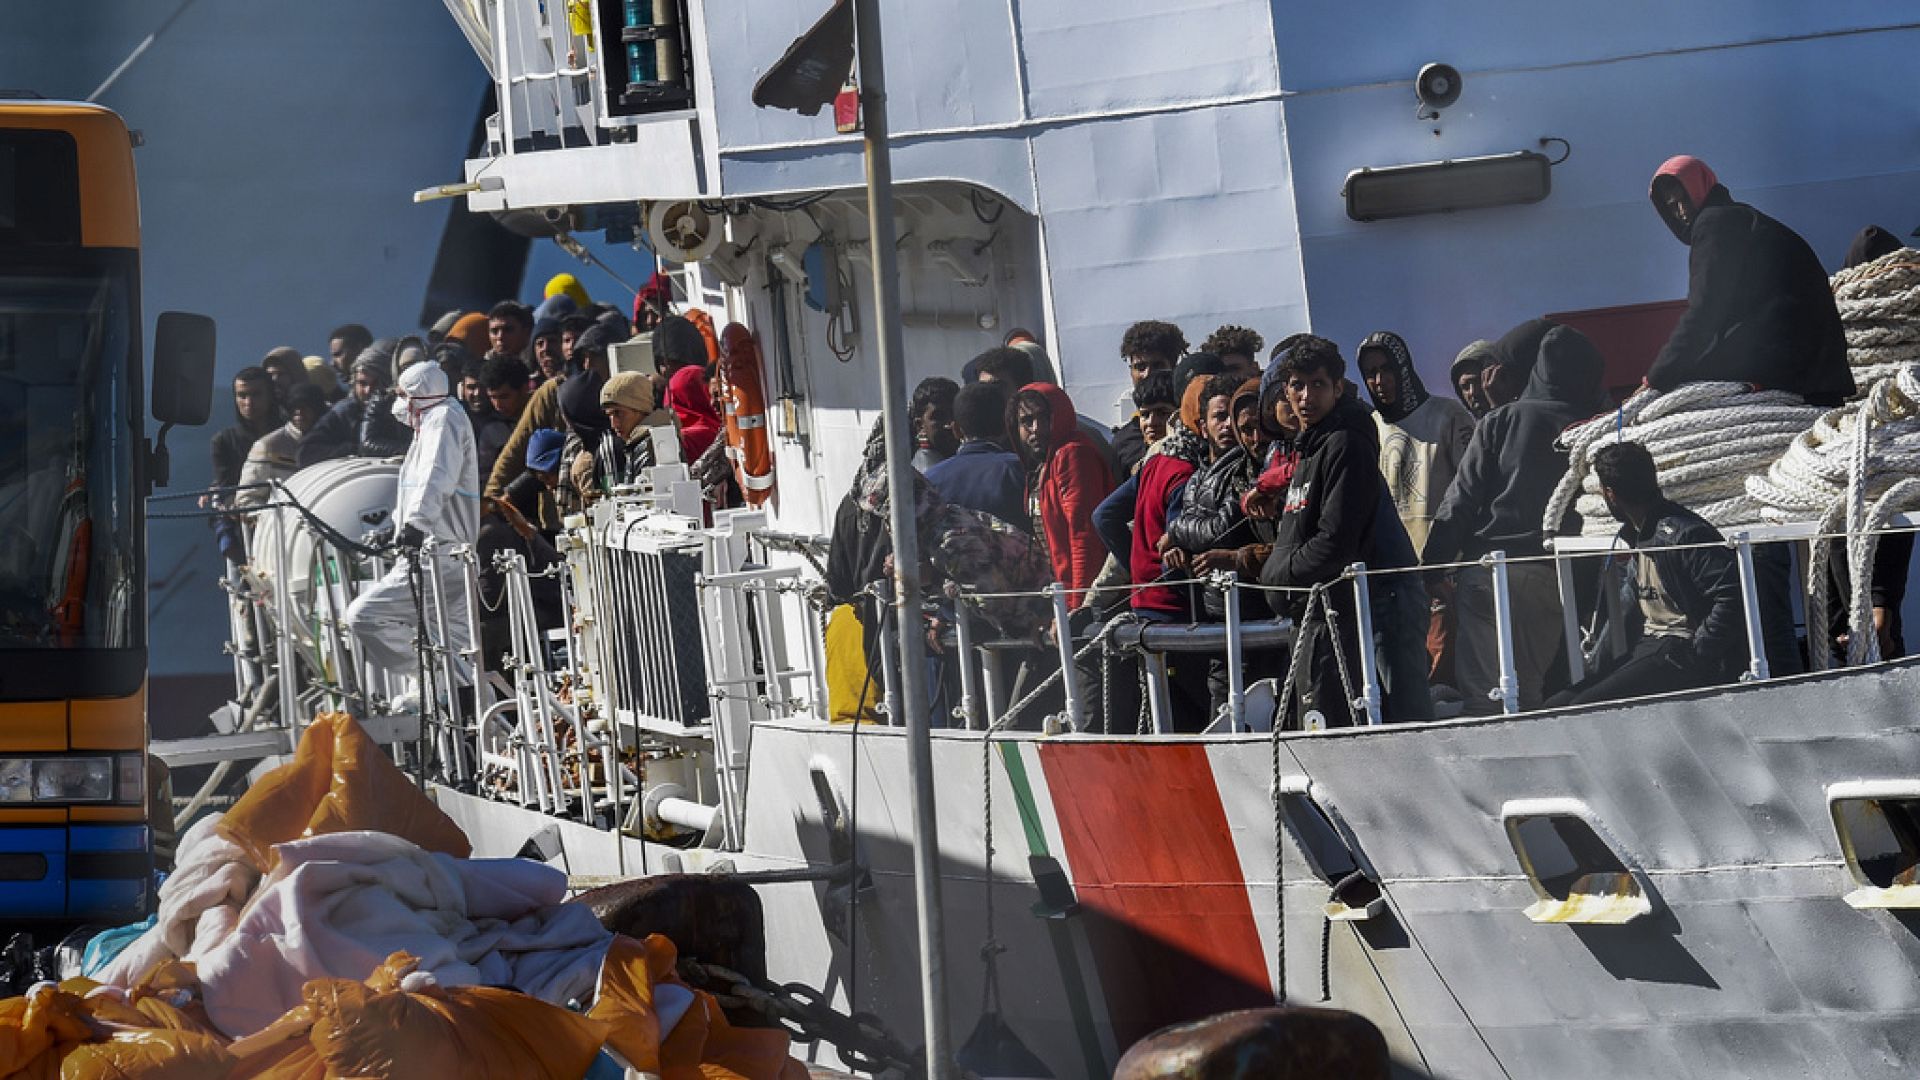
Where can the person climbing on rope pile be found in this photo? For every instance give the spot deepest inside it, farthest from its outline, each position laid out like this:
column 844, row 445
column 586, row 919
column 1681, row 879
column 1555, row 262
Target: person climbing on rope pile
column 1759, row 306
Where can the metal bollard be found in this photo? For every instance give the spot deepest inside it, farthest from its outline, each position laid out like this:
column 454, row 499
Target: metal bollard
column 1507, row 693
column 1069, row 671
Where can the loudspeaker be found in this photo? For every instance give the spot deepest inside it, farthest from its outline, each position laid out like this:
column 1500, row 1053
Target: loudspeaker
column 1437, row 86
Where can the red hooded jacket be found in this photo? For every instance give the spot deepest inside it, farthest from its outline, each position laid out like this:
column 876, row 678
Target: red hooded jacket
column 1069, row 485
column 691, row 404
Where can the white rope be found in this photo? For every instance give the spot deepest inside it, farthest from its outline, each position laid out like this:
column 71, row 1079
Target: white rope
column 1705, row 438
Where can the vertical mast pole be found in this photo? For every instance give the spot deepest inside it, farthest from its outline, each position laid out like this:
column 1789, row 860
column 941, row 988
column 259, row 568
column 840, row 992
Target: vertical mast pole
column 906, row 548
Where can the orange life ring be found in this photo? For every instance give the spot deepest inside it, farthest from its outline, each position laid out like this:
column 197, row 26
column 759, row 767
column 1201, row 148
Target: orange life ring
column 749, row 445
column 703, row 322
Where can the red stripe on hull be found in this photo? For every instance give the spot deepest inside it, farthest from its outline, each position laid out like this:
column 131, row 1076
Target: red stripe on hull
column 1153, row 864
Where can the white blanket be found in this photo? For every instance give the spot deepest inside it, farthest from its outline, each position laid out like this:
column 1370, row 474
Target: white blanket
column 199, row 901
column 338, row 905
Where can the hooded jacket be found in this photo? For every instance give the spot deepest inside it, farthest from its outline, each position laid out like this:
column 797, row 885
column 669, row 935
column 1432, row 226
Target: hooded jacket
column 1211, row 515
column 1064, row 490
column 1517, row 352
column 1511, row 467
column 355, row 428
column 1422, row 439
column 1475, row 357
column 1871, row 243
column 693, row 408
column 1759, row 306
column 1335, row 502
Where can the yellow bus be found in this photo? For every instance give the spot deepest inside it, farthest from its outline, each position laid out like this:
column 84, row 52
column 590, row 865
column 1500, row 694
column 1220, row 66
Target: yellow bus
column 75, row 468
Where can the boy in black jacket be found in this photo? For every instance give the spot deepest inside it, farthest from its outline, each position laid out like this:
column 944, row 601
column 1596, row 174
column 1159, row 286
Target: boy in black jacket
column 1332, row 518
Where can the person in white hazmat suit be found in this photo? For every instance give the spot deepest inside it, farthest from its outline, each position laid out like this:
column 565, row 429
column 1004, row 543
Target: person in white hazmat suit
column 438, row 500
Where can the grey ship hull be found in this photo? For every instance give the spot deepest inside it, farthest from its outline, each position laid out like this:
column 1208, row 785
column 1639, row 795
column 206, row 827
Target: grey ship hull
column 1748, row 961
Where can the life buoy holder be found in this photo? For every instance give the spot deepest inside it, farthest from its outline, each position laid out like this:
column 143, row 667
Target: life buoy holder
column 749, row 444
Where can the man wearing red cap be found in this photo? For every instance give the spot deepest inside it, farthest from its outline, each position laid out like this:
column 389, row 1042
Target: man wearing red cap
column 1759, row 308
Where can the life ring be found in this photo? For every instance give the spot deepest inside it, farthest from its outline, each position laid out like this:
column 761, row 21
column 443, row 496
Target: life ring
column 703, row 322
column 749, row 446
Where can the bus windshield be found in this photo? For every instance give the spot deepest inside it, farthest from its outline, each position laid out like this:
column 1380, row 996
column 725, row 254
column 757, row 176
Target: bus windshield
column 67, row 543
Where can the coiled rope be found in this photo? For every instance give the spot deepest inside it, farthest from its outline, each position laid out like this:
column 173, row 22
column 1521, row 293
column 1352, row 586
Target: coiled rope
column 1705, row 438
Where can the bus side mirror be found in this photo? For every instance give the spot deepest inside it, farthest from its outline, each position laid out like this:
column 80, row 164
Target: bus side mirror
column 182, row 382
column 182, row 368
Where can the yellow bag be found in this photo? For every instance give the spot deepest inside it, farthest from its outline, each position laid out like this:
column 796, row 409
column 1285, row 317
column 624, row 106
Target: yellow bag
column 338, row 781
column 848, row 693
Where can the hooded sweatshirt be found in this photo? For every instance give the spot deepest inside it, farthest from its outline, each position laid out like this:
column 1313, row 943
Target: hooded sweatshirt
column 1422, row 439
column 1064, row 491
column 1869, row 244
column 1760, row 309
column 693, row 408
column 1475, row 357
column 1334, row 505
column 1511, row 466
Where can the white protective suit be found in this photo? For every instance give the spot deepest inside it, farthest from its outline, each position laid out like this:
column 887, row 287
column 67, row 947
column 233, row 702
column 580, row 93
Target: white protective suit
column 440, row 496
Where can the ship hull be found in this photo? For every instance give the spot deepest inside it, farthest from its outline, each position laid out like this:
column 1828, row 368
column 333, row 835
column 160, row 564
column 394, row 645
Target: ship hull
column 1748, row 963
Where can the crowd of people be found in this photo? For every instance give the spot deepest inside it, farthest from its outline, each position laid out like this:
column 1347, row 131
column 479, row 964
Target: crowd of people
column 504, row 421
column 1279, row 469
column 1286, row 474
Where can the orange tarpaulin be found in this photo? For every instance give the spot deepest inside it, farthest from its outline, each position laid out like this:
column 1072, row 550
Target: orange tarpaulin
column 702, row 1046
column 339, row 780
column 395, row 1026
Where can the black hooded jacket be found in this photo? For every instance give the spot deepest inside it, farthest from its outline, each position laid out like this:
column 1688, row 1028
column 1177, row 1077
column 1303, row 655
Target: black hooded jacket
column 1759, row 309
column 1517, row 352
column 1334, row 505
column 1511, row 468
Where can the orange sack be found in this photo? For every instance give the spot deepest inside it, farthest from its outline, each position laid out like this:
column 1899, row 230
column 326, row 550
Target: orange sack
column 338, row 781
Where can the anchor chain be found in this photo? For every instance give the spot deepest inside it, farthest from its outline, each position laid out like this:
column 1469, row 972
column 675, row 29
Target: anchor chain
column 862, row 1040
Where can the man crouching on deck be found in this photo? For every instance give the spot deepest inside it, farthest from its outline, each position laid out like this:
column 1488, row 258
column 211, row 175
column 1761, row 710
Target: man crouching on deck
column 1692, row 629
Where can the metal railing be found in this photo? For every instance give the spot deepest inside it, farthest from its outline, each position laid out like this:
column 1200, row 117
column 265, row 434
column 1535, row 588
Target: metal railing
column 641, row 579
